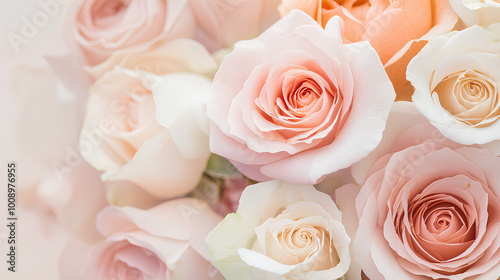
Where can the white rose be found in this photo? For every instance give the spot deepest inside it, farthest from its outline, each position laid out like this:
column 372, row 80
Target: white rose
column 281, row 231
column 456, row 79
column 477, row 12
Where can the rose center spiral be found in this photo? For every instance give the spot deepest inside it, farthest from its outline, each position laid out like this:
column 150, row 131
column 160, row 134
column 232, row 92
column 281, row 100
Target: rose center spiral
column 301, row 239
column 470, row 96
column 301, row 92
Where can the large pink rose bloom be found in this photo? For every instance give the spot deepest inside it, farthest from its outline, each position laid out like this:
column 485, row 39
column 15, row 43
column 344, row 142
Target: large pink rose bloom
column 429, row 208
column 297, row 104
column 164, row 242
column 100, row 27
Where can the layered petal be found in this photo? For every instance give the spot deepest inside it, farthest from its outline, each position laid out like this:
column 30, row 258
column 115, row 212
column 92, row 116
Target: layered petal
column 298, row 105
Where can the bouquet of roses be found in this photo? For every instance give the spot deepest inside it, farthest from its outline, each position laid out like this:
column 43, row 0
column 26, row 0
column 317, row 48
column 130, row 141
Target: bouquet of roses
column 253, row 139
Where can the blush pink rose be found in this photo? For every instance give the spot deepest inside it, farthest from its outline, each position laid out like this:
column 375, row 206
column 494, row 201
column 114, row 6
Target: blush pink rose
column 296, row 104
column 397, row 30
column 100, row 27
column 164, row 242
column 428, row 207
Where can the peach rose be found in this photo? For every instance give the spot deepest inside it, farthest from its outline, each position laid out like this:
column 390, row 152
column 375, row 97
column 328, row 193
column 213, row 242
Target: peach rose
column 164, row 242
column 296, row 104
column 397, row 30
column 281, row 231
column 477, row 12
column 456, row 79
column 428, row 208
column 100, row 27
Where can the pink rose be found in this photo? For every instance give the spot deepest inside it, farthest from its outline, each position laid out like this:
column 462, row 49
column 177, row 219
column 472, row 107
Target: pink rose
column 100, row 27
column 164, row 242
column 296, row 104
column 397, row 30
column 428, row 207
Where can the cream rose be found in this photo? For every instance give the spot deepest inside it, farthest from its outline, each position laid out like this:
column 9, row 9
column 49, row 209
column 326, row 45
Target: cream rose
column 477, row 12
column 296, row 103
column 427, row 207
column 100, row 27
column 456, row 79
column 281, row 231
column 164, row 242
column 397, row 30
column 142, row 127
column 157, row 141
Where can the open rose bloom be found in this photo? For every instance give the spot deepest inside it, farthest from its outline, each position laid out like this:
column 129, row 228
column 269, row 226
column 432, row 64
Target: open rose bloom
column 301, row 105
column 428, row 208
column 296, row 233
column 457, row 82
